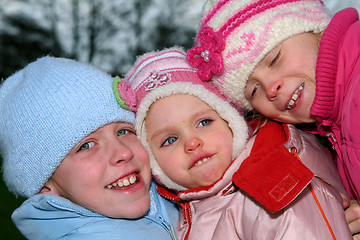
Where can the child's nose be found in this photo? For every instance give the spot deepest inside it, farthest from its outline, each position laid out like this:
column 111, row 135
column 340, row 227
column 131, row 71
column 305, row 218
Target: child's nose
column 272, row 90
column 121, row 153
column 193, row 144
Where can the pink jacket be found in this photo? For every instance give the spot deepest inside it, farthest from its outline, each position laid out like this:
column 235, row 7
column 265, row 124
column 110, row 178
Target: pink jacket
column 222, row 211
column 337, row 102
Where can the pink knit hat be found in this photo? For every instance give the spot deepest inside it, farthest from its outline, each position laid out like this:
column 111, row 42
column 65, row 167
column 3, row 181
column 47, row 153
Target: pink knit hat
column 235, row 35
column 156, row 75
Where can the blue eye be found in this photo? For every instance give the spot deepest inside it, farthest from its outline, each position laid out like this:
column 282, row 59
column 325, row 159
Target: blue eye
column 86, row 146
column 169, row 141
column 124, row 132
column 205, row 122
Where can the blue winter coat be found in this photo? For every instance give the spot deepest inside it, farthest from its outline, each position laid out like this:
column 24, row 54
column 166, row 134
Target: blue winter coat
column 48, row 216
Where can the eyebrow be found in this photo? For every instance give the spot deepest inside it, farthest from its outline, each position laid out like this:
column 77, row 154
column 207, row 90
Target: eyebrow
column 159, row 132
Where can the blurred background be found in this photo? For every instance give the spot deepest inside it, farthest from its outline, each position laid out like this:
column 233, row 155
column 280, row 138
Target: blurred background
column 107, row 34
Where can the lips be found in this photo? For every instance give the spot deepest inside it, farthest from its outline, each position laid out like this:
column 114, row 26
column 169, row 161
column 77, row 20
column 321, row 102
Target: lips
column 124, row 182
column 295, row 97
column 200, row 160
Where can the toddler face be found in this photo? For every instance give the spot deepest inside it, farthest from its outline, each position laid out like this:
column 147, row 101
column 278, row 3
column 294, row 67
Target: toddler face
column 191, row 143
column 282, row 86
column 107, row 172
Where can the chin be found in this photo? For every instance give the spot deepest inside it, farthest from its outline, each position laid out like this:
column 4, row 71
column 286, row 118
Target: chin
column 131, row 212
column 140, row 208
column 138, row 213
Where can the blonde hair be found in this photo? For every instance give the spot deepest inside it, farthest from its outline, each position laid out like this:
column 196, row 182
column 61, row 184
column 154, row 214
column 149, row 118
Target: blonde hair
column 256, row 121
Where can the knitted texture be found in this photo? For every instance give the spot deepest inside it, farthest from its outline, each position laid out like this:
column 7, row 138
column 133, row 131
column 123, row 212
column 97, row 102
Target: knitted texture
column 243, row 32
column 46, row 109
column 156, row 75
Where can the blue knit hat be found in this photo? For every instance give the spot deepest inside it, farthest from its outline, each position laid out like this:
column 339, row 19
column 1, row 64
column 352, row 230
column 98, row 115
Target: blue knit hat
column 46, row 109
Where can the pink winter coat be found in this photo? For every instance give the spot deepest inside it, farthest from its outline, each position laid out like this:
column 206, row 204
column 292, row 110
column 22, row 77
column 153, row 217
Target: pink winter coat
column 337, row 102
column 223, row 211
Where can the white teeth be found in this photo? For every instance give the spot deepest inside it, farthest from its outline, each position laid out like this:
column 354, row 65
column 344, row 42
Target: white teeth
column 202, row 161
column 124, row 182
column 132, row 179
column 294, row 97
column 120, row 183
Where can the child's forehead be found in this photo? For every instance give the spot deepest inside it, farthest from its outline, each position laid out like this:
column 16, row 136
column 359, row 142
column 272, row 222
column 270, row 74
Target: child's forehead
column 186, row 106
column 179, row 100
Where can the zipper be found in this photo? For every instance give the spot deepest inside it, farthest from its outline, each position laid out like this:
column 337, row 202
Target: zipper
column 294, row 152
column 168, row 226
column 172, row 233
column 164, row 221
column 185, row 209
column 333, row 141
column 187, row 217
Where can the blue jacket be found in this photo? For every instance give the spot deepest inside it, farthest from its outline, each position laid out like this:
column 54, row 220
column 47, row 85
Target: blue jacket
column 48, row 216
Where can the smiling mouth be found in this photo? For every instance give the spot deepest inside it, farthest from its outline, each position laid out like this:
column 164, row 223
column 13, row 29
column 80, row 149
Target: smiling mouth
column 124, row 182
column 295, row 98
column 204, row 160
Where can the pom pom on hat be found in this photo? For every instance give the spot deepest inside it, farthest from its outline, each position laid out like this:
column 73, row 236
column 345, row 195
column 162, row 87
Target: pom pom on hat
column 249, row 29
column 46, row 109
column 156, row 75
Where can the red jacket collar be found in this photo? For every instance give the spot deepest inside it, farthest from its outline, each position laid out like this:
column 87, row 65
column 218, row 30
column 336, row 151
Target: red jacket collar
column 272, row 175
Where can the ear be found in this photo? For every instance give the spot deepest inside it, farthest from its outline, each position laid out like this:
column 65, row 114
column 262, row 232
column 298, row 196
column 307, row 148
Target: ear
column 49, row 187
column 44, row 189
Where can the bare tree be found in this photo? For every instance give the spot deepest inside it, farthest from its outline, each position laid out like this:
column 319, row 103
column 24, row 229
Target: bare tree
column 108, row 34
column 76, row 27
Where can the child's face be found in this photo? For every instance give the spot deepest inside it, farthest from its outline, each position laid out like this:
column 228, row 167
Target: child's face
column 282, row 86
column 107, row 172
column 191, row 143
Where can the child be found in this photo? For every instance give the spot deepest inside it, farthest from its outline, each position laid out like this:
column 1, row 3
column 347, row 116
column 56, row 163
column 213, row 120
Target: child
column 200, row 154
column 71, row 150
column 265, row 56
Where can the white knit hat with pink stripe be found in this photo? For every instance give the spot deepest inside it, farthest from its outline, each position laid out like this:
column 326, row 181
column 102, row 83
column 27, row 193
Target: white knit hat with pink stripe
column 235, row 35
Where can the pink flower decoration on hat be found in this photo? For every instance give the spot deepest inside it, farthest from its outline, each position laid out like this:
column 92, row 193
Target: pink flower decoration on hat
column 207, row 56
column 126, row 96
